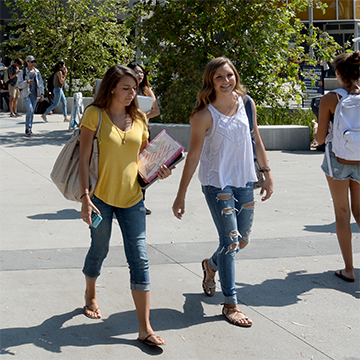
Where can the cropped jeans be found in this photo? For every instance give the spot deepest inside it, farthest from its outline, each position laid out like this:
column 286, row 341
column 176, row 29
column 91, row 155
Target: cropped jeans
column 30, row 104
column 58, row 96
column 132, row 224
column 232, row 210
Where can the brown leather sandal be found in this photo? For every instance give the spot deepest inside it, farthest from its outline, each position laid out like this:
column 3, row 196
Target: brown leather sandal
column 234, row 316
column 209, row 290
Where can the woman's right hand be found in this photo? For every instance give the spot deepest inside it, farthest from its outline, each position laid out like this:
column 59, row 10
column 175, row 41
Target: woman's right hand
column 179, row 207
column 87, row 208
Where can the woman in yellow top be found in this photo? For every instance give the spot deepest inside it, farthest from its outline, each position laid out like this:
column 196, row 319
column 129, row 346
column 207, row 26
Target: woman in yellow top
column 124, row 133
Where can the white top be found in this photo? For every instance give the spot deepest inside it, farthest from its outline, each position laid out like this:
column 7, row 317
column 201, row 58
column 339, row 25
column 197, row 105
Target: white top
column 145, row 103
column 227, row 156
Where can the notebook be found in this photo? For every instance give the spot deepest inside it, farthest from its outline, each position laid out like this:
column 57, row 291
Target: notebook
column 162, row 150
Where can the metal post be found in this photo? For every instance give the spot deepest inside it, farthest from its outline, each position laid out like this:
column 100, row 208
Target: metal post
column 311, row 32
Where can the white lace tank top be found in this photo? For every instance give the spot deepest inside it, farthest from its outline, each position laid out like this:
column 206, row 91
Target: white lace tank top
column 227, row 155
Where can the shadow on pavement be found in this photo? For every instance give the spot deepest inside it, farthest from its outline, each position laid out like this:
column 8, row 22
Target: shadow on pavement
column 329, row 228
column 66, row 214
column 284, row 292
column 53, row 334
column 14, row 139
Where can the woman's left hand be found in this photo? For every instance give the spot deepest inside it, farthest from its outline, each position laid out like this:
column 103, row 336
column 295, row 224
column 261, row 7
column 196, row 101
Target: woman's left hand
column 268, row 188
column 164, row 172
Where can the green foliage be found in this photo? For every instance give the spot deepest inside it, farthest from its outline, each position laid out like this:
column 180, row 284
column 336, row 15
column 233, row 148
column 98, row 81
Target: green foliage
column 84, row 33
column 262, row 38
column 284, row 116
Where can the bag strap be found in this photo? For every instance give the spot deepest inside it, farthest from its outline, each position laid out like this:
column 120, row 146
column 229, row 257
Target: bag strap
column 341, row 92
column 97, row 134
column 98, row 126
column 250, row 115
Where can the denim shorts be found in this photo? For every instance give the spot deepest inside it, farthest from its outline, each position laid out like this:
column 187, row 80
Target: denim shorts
column 340, row 171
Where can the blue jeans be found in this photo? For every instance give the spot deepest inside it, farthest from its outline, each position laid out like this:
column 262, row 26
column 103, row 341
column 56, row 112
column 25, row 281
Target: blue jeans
column 58, row 96
column 132, row 224
column 232, row 210
column 30, row 104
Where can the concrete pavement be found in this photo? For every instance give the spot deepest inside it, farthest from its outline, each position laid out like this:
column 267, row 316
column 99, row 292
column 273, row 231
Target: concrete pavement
column 285, row 276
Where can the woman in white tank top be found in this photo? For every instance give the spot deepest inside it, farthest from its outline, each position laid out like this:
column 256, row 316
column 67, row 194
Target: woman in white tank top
column 221, row 141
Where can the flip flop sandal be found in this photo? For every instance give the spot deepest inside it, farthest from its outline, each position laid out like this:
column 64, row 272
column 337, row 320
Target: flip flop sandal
column 149, row 342
column 230, row 315
column 87, row 308
column 209, row 290
column 343, row 277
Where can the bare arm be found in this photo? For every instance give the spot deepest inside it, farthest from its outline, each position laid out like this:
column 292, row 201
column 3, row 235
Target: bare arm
column 200, row 123
column 155, row 111
column 326, row 111
column 261, row 156
column 86, row 141
column 62, row 76
column 11, row 76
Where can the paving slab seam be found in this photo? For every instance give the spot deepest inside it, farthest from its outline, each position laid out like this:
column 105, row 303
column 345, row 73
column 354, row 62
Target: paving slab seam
column 53, row 258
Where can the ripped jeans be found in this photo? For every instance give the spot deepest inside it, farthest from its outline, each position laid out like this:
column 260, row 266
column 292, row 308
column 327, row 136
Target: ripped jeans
column 232, row 210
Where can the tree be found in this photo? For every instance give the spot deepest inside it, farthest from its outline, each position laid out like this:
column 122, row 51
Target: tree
column 263, row 38
column 85, row 33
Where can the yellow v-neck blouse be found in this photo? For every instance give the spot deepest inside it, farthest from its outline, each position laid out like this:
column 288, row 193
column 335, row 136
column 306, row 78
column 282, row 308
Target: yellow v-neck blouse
column 118, row 170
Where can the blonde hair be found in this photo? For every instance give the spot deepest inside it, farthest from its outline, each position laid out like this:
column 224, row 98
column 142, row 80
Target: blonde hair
column 207, row 93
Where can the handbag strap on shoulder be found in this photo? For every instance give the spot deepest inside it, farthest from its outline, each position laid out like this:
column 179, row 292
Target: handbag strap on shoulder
column 250, row 115
column 98, row 126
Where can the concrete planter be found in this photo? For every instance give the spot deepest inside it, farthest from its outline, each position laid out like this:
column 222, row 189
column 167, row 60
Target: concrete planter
column 275, row 137
column 285, row 137
column 58, row 110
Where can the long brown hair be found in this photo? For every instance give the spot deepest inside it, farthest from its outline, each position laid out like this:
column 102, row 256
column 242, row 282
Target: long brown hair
column 207, row 93
column 104, row 97
column 348, row 66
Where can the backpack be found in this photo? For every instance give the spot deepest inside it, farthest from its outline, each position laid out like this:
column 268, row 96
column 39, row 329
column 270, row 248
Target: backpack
column 6, row 76
column 346, row 130
column 23, row 73
column 41, row 106
column 50, row 84
column 345, row 137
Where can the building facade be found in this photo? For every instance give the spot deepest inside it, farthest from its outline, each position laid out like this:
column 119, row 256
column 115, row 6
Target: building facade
column 341, row 20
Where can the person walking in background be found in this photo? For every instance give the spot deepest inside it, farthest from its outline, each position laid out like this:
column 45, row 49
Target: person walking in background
column 221, row 140
column 2, row 67
column 123, row 133
column 145, row 90
column 14, row 71
column 31, row 84
column 4, row 92
column 343, row 176
column 60, row 73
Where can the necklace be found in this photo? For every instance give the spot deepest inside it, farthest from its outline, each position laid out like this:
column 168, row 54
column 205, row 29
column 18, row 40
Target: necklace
column 123, row 139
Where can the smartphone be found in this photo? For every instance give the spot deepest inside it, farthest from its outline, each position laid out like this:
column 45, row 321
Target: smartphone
column 95, row 219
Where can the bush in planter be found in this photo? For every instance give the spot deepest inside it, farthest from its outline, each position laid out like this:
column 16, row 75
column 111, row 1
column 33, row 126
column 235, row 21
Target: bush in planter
column 284, row 116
